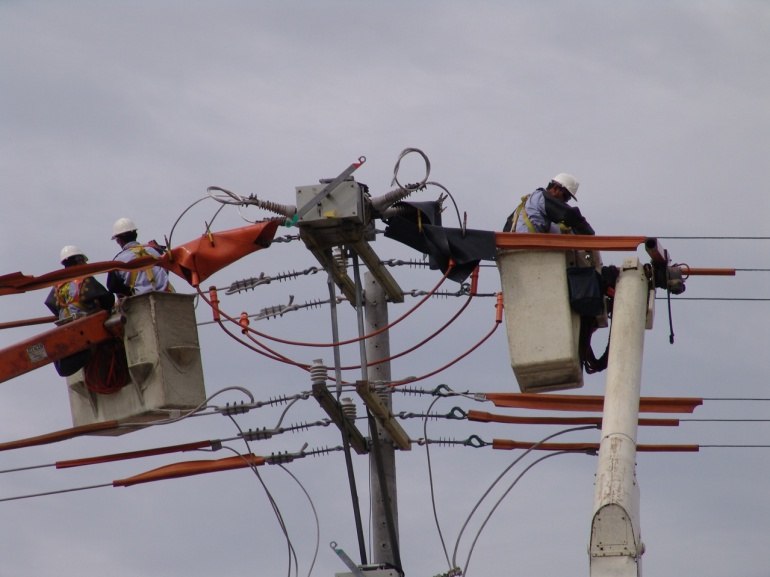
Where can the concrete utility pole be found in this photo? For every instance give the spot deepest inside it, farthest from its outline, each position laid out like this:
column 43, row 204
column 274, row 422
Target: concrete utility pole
column 616, row 546
column 383, row 505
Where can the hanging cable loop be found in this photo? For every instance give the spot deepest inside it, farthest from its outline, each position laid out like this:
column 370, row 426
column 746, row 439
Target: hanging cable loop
column 398, row 166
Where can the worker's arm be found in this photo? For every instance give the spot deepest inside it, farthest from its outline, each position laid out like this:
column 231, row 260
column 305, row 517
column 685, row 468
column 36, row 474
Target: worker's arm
column 117, row 285
column 50, row 302
column 559, row 211
column 92, row 292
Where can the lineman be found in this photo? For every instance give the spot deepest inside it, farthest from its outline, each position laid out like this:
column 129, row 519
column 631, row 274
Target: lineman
column 546, row 209
column 78, row 297
column 130, row 283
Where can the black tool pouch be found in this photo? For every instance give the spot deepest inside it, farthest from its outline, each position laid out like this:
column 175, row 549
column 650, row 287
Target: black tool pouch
column 586, row 295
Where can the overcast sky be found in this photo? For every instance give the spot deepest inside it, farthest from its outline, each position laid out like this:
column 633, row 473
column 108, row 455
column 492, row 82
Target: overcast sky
column 660, row 109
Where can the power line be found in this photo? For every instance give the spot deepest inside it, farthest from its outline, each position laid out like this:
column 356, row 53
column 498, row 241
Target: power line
column 736, row 398
column 747, row 299
column 714, row 237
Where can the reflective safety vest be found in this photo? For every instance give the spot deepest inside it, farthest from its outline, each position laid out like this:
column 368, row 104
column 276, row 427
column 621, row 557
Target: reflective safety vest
column 68, row 300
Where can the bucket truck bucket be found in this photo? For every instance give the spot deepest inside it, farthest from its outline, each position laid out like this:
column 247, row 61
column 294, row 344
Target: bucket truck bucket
column 164, row 370
column 543, row 331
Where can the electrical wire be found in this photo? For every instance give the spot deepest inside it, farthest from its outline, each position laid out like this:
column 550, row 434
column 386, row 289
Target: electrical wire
column 106, row 372
column 326, row 345
column 505, row 471
column 56, row 492
column 352, row 485
column 430, row 482
column 191, row 412
column 273, row 504
column 275, row 356
column 736, row 398
column 460, row 222
column 500, row 500
column 735, row 446
column 411, row 187
column 418, row 345
column 714, row 237
column 748, row 299
column 315, row 516
column 208, row 225
column 449, row 364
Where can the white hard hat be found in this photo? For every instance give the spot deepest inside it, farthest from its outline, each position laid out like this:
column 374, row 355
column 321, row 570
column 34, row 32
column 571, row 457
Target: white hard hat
column 567, row 181
column 69, row 251
column 122, row 225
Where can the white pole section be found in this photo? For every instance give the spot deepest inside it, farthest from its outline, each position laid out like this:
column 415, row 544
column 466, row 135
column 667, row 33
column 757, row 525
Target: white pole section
column 616, row 546
column 385, row 547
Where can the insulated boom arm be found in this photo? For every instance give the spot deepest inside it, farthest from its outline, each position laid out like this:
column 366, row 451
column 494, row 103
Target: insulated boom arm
column 58, row 343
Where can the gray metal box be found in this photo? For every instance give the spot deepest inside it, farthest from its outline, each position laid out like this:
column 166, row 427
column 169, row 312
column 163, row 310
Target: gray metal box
column 164, row 364
column 344, row 203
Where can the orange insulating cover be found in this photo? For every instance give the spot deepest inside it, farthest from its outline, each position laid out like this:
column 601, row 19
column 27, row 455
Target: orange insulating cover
column 546, row 241
column 61, row 435
column 484, row 417
column 197, row 260
column 507, row 444
column 53, row 345
column 589, row 403
column 189, row 468
column 28, row 322
column 686, row 270
column 17, row 282
column 133, row 454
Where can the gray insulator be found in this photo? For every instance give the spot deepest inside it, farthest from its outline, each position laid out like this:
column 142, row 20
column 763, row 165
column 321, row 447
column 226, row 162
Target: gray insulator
column 318, row 372
column 340, row 258
column 287, row 210
column 381, row 203
column 400, row 210
column 348, row 408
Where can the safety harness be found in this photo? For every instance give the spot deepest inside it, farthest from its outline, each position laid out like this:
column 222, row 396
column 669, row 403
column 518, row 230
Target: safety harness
column 140, row 251
column 563, row 228
column 520, row 211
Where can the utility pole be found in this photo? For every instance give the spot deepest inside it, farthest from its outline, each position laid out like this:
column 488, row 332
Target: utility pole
column 383, row 474
column 616, row 546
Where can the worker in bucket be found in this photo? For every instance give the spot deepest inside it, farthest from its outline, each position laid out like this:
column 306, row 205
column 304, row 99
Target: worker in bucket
column 130, row 283
column 546, row 210
column 78, row 297
column 73, row 299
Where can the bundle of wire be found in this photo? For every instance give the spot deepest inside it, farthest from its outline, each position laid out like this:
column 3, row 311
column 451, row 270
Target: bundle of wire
column 107, row 370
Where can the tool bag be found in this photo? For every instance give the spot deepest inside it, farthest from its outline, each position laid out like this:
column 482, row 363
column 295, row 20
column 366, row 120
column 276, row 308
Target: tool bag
column 586, row 293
